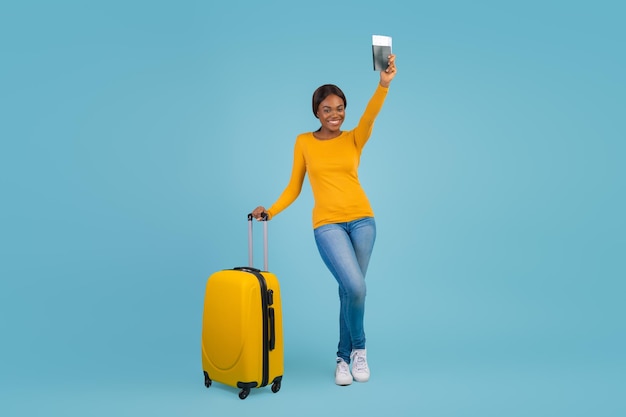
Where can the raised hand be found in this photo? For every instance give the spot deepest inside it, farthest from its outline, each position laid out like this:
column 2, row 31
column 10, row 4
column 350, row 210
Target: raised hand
column 387, row 75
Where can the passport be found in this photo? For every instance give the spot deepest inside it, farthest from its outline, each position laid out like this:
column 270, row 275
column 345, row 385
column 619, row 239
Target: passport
column 381, row 49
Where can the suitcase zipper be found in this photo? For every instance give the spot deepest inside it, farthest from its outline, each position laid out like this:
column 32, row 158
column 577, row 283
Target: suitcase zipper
column 268, row 321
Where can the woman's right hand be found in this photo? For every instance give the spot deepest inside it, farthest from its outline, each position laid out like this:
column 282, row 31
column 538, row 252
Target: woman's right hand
column 257, row 213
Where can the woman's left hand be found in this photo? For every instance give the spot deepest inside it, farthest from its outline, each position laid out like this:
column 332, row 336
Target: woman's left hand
column 387, row 75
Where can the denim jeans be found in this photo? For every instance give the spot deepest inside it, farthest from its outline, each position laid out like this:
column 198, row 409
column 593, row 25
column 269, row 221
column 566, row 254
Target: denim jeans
column 346, row 249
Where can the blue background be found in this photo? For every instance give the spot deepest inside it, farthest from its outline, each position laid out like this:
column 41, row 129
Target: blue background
column 136, row 136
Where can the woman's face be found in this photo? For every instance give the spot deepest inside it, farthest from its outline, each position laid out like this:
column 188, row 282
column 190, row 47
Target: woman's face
column 331, row 113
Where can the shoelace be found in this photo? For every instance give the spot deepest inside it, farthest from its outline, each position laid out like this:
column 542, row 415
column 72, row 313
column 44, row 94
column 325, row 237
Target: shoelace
column 360, row 364
column 342, row 368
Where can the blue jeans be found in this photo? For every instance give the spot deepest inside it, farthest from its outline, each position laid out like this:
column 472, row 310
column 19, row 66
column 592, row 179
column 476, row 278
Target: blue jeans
column 346, row 249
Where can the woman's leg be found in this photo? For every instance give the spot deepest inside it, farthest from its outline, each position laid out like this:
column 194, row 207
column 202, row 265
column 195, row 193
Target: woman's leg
column 346, row 249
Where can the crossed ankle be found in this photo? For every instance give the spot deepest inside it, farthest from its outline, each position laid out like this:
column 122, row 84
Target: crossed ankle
column 360, row 368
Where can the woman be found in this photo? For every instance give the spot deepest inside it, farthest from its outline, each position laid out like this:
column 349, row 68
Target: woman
column 343, row 220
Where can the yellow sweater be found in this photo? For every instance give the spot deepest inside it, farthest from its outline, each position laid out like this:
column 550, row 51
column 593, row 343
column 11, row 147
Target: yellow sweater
column 332, row 166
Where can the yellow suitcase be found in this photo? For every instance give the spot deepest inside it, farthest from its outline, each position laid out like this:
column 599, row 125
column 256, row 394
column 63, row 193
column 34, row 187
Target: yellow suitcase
column 242, row 336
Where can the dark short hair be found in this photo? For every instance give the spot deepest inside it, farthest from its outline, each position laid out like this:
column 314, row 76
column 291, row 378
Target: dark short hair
column 324, row 91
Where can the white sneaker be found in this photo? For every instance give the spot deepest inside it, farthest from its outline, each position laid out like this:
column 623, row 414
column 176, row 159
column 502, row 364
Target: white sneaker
column 360, row 370
column 342, row 373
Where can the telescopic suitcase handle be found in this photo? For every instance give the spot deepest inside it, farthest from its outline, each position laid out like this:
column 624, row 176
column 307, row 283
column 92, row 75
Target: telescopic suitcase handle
column 250, row 250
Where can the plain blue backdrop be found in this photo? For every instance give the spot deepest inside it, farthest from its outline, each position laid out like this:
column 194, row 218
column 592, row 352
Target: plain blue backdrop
column 137, row 135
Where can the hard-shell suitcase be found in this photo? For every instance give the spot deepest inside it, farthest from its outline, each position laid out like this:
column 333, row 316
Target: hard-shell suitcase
column 242, row 337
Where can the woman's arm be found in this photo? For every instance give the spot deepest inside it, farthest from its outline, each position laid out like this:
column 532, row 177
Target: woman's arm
column 291, row 191
column 363, row 130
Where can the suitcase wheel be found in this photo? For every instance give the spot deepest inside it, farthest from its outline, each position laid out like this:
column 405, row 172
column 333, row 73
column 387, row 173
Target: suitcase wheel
column 243, row 394
column 207, row 380
column 276, row 387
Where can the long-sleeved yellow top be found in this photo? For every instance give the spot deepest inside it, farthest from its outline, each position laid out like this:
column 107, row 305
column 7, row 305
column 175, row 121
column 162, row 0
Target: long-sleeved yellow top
column 332, row 166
